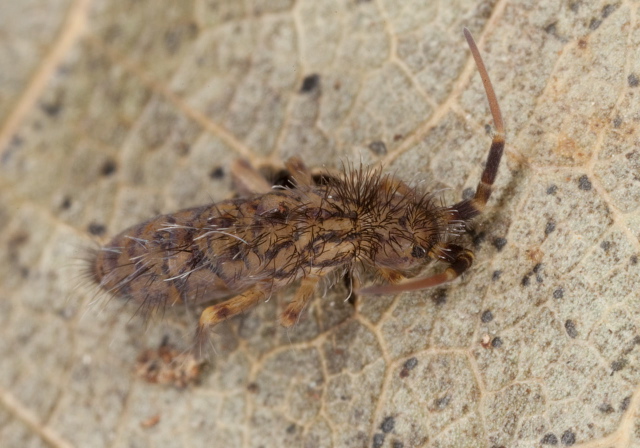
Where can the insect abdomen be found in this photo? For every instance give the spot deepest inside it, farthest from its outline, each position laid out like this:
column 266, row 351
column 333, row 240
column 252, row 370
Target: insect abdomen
column 162, row 262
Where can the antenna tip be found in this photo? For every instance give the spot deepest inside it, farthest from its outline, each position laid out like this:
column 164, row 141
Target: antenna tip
column 468, row 36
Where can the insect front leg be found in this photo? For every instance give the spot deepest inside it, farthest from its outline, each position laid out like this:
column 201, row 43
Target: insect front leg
column 291, row 314
column 217, row 313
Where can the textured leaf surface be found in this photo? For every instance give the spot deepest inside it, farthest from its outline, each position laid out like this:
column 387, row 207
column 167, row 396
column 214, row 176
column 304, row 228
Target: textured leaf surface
column 113, row 111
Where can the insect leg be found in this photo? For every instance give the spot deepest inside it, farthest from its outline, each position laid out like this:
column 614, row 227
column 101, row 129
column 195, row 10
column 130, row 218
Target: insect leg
column 247, row 180
column 291, row 314
column 459, row 259
column 299, row 171
column 217, row 313
column 468, row 209
column 390, row 276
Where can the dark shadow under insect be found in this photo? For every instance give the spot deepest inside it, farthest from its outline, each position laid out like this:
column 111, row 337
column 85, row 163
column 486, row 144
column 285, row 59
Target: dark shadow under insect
column 244, row 249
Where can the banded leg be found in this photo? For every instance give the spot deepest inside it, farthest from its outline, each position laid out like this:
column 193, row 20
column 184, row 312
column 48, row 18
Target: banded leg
column 217, row 313
column 291, row 314
column 459, row 259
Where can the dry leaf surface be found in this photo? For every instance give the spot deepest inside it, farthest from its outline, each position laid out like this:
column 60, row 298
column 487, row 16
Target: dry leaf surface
column 113, row 111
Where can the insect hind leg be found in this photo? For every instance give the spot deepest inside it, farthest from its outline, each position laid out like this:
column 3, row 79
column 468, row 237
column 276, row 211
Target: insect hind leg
column 217, row 313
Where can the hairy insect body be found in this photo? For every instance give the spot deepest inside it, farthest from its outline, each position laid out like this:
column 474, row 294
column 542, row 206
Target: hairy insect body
column 270, row 240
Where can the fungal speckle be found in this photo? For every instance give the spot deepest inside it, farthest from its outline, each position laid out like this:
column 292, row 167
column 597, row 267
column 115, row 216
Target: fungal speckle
column 584, row 183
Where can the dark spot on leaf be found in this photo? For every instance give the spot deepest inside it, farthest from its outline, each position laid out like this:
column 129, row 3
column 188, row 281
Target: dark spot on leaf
column 443, row 402
column 634, row 259
column 479, row 238
column 606, row 408
column 605, row 245
column 625, row 403
column 551, row 226
column 410, row 363
column 499, row 243
column 108, row 168
column 551, row 28
column 617, row 122
column 468, row 193
column 378, row 440
column 217, row 173
column 66, row 203
column 584, row 183
column 96, row 229
column 496, row 342
column 633, row 80
column 388, row 424
column 568, row 438
column 618, row 365
column 52, row 108
column 570, row 327
column 594, row 24
column 487, row 316
column 607, row 10
column 440, row 297
column 558, row 293
column 552, row 189
column 496, row 275
column 549, row 439
column 526, row 280
column 378, row 148
column 310, row 83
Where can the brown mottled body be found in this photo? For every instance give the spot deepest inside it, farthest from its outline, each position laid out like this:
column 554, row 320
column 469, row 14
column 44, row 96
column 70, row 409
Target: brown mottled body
column 266, row 241
column 245, row 249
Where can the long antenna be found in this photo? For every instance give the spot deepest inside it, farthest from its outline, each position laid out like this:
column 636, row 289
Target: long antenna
column 467, row 209
column 488, row 87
